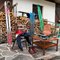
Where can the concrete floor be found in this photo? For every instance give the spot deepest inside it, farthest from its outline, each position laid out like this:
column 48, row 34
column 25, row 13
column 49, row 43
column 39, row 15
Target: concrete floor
column 6, row 53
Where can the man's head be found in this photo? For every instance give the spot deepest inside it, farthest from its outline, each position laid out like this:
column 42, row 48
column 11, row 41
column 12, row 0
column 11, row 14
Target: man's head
column 21, row 27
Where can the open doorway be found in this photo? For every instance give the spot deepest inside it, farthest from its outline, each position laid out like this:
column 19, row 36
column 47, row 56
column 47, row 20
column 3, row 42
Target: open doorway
column 35, row 10
column 57, row 16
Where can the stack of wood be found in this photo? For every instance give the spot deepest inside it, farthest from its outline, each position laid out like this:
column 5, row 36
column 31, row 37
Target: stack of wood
column 2, row 26
column 37, row 28
column 3, row 32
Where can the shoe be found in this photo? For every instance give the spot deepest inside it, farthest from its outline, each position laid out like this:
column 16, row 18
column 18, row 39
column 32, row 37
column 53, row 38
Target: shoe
column 21, row 49
column 33, row 48
column 31, row 51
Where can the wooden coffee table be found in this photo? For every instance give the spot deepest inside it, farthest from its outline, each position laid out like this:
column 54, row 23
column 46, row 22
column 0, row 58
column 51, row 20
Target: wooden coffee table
column 44, row 44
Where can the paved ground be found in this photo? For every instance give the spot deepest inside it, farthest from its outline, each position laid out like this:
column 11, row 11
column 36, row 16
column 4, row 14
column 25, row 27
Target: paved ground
column 6, row 53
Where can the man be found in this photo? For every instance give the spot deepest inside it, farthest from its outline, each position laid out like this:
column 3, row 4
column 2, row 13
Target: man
column 22, row 32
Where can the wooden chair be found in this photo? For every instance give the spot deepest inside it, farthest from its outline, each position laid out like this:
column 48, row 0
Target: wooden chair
column 22, row 40
column 48, row 42
column 22, row 27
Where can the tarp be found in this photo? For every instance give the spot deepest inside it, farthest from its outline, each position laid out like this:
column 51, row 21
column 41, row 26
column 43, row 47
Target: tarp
column 8, row 24
column 32, row 21
column 40, row 18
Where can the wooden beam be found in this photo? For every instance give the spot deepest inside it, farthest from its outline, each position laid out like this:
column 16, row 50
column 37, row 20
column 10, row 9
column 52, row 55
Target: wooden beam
column 51, row 1
column 14, row 5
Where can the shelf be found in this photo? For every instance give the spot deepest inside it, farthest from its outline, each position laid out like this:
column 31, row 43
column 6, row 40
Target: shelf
column 47, row 44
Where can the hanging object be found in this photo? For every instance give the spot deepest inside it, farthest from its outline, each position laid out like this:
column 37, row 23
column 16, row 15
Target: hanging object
column 8, row 24
column 32, row 21
column 6, row 15
column 9, row 20
column 40, row 18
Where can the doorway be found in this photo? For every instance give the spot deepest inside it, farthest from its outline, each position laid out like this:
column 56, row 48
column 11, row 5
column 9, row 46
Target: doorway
column 35, row 10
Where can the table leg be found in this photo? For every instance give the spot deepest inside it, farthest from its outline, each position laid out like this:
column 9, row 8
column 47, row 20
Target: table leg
column 44, row 48
column 57, row 46
column 43, row 51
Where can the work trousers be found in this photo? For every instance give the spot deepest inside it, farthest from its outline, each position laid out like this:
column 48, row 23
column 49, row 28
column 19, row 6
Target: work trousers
column 26, row 36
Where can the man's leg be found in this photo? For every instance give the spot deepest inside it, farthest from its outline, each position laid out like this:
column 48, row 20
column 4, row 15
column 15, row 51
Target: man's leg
column 29, row 40
column 27, row 37
column 19, row 42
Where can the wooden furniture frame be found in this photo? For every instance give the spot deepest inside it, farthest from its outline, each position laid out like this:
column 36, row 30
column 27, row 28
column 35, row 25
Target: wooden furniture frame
column 44, row 44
